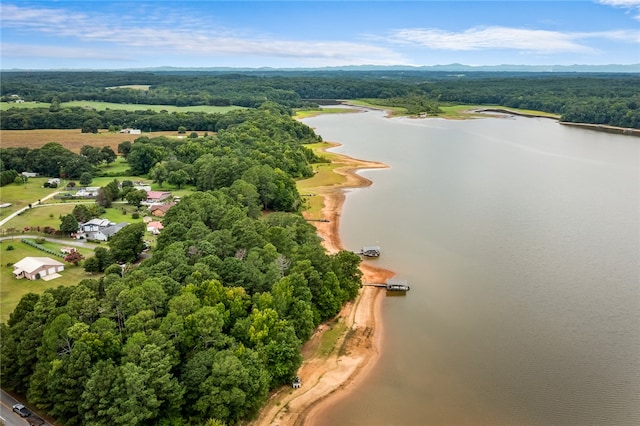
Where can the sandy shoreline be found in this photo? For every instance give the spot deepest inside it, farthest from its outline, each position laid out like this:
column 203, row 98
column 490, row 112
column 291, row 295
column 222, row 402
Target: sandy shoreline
column 327, row 377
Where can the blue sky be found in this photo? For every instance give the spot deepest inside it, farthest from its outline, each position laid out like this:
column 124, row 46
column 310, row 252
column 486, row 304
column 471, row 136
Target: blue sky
column 140, row 34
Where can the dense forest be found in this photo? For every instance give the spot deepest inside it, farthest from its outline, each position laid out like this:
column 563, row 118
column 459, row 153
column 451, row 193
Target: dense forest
column 611, row 99
column 202, row 330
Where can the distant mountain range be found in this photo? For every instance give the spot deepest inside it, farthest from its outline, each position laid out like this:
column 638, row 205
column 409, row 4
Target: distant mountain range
column 611, row 68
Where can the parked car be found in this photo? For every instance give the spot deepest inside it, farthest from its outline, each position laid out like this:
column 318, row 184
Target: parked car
column 35, row 421
column 21, row 410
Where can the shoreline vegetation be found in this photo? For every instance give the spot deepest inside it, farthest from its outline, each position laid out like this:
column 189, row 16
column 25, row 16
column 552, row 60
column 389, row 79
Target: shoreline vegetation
column 341, row 351
column 468, row 112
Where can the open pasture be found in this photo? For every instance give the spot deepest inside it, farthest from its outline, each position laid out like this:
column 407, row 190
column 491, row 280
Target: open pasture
column 72, row 139
column 101, row 106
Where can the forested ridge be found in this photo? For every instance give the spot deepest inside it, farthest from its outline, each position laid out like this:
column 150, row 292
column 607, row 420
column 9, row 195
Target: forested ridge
column 201, row 331
column 594, row 98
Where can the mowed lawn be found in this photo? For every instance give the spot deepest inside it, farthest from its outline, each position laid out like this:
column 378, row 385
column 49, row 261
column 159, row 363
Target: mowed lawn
column 12, row 289
column 324, row 177
column 21, row 195
column 48, row 215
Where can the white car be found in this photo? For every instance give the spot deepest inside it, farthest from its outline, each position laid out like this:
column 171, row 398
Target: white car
column 21, row 410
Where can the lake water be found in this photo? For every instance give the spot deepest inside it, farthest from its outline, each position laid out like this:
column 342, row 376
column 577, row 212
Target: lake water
column 520, row 239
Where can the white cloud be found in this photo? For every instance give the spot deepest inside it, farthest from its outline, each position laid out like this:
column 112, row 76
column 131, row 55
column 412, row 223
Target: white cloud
column 191, row 39
column 521, row 39
column 41, row 51
column 627, row 4
column 621, row 3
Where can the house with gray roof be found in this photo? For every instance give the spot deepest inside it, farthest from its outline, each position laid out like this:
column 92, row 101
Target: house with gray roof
column 105, row 233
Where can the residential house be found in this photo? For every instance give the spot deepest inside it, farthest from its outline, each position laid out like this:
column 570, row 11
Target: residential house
column 94, row 225
column 154, row 227
column 29, row 174
column 88, row 192
column 155, row 197
column 98, row 229
column 33, row 268
column 159, row 210
column 105, row 233
column 131, row 131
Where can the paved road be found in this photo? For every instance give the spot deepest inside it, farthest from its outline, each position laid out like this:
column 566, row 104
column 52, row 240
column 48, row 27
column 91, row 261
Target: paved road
column 7, row 416
column 53, row 240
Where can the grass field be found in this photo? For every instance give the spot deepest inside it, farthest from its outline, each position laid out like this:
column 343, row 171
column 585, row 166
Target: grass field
column 119, row 167
column 24, row 105
column 12, row 289
column 115, row 214
column 306, row 113
column 48, row 215
column 21, row 195
column 143, row 87
column 101, row 106
column 448, row 111
column 323, row 177
column 466, row 111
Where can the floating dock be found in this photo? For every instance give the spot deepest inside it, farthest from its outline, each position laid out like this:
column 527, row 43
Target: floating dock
column 397, row 285
column 370, row 251
column 392, row 285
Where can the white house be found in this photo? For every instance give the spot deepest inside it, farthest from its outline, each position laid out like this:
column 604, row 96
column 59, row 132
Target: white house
column 98, row 229
column 105, row 233
column 33, row 268
column 131, row 131
column 94, row 225
column 89, row 191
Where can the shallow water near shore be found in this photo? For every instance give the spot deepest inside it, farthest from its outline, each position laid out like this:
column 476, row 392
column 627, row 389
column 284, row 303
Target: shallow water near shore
column 520, row 239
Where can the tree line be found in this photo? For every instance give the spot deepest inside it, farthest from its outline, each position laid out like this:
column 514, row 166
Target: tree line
column 595, row 98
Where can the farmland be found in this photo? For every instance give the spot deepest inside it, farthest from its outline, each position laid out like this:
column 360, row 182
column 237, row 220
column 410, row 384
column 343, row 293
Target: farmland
column 72, row 139
column 101, row 106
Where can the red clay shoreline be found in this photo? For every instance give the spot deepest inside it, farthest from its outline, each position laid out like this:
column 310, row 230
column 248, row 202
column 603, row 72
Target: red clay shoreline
column 326, row 378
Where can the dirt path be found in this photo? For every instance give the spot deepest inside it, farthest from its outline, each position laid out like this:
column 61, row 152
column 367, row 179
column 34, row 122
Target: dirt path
column 326, row 376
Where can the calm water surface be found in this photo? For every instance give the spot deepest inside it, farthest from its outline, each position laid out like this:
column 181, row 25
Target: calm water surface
column 520, row 239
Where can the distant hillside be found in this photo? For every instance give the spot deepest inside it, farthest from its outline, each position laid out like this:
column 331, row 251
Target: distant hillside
column 610, row 68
